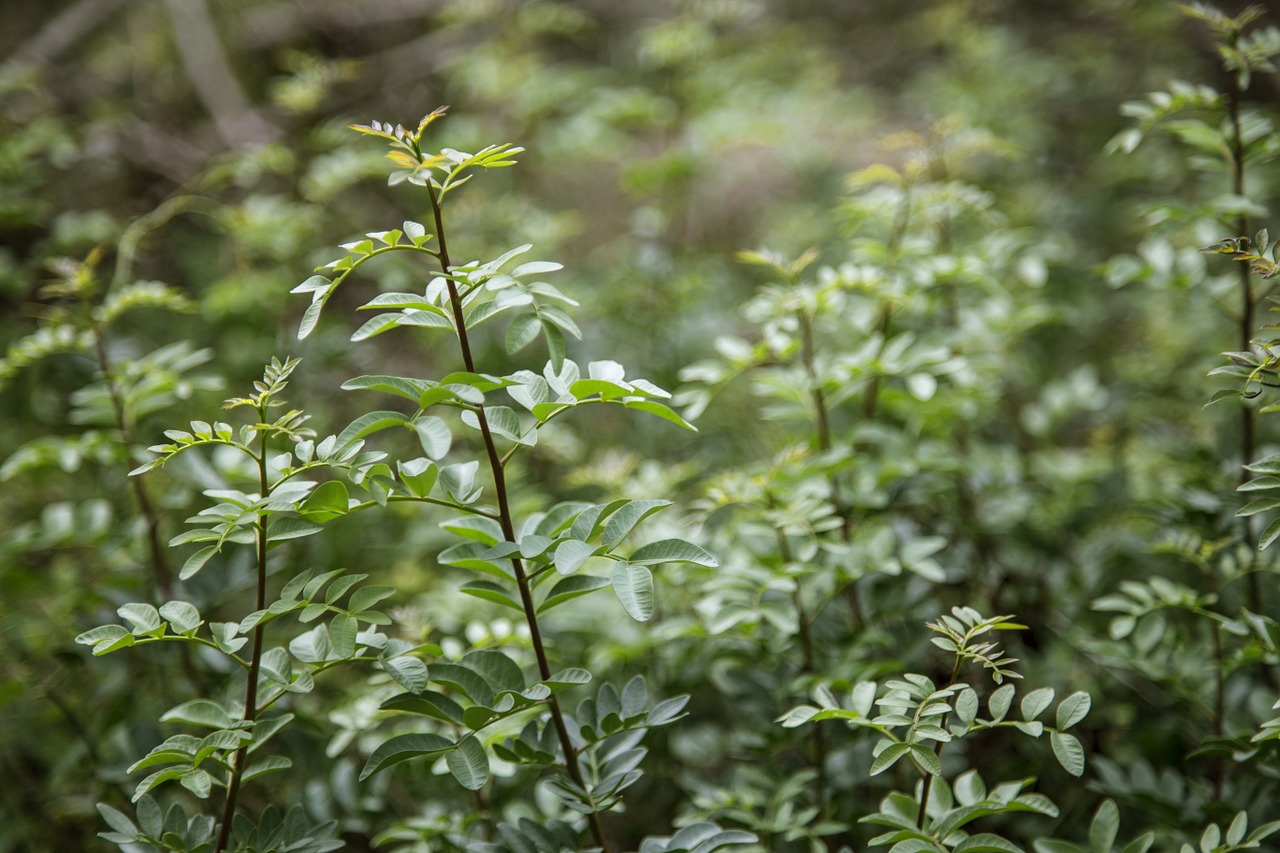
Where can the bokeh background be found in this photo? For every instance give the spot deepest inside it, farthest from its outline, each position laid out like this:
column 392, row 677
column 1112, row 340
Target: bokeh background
column 204, row 145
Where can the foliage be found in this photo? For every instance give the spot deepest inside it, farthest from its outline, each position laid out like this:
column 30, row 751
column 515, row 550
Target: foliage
column 482, row 603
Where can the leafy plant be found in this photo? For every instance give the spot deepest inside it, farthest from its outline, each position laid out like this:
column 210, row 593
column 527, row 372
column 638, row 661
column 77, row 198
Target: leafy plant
column 917, row 718
column 531, row 564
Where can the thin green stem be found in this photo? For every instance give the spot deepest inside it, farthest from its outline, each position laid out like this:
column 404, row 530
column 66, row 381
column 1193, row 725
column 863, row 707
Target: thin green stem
column 822, row 425
column 496, row 469
column 160, row 570
column 804, row 624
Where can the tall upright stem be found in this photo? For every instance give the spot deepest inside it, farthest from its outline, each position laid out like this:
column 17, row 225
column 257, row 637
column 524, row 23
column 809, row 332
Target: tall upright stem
column 1247, row 415
column 822, row 425
column 937, row 750
column 255, row 662
column 804, row 625
column 508, row 528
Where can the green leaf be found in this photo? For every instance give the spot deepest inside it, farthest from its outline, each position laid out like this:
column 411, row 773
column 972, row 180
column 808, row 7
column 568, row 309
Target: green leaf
column 433, row 434
column 1255, row 507
column 1056, row 845
column 225, row 637
column 570, row 555
column 1105, row 826
column 158, row 778
column 986, row 842
column 266, row 764
column 196, row 562
column 367, row 596
column 926, row 759
column 288, row 527
column 342, row 631
column 969, row 788
column 555, row 344
column 371, row 423
column 1210, row 838
column 672, row 551
column 498, row 670
column 1269, row 535
column 571, row 677
column 117, row 820
column 484, row 530
column 889, row 756
column 798, row 716
column 1036, row 702
column 521, row 332
column 469, row 764
column 376, row 326
column 464, row 680
column 311, row 316
column 402, row 748
column 143, row 617
column 419, row 475
column 1068, row 751
column 410, row 389
column 634, row 587
column 409, row 672
column 1264, row 831
column 999, row 701
column 662, row 411
column 339, row 587
column 569, row 588
column 402, row 300
column 1239, row 826
column 1073, row 709
column 502, row 421
column 428, row 703
column 490, row 591
column 624, row 519
column 200, row 712
column 327, row 502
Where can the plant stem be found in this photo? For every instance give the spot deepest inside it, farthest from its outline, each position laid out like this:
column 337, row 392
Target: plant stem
column 255, row 661
column 161, row 573
column 1247, row 306
column 937, row 750
column 804, row 623
column 1219, row 711
column 822, row 426
column 508, row 528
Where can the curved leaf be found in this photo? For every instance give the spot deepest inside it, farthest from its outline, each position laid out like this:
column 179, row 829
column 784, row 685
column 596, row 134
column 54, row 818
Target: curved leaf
column 1068, row 751
column 634, row 587
column 469, row 764
column 402, row 748
column 672, row 551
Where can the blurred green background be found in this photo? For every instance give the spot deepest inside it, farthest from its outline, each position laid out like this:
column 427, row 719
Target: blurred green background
column 203, row 145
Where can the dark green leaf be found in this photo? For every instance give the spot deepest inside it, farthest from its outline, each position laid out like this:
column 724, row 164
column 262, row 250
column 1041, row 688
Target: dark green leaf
column 624, row 519
column 371, row 423
column 469, row 764
column 571, row 587
column 672, row 551
column 402, row 748
column 490, row 591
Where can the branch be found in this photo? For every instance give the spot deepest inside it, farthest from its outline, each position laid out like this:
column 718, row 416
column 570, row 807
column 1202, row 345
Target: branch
column 210, row 72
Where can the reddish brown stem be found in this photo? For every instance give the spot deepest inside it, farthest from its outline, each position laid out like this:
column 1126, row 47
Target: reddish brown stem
column 496, row 469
